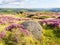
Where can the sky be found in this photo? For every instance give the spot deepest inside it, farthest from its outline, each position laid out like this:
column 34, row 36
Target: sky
column 29, row 3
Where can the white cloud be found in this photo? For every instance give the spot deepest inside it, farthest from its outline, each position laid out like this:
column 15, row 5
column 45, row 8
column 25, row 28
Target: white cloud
column 10, row 1
column 29, row 3
column 1, row 1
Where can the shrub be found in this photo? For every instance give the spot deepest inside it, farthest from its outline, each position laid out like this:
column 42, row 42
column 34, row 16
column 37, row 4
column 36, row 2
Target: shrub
column 43, row 17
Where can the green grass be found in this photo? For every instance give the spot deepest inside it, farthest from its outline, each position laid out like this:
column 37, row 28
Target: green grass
column 2, row 27
column 51, row 38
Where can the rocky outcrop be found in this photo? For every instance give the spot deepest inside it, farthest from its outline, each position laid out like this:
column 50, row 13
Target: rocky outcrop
column 34, row 27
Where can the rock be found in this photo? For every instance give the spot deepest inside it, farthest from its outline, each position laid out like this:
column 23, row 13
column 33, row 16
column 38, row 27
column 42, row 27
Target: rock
column 34, row 27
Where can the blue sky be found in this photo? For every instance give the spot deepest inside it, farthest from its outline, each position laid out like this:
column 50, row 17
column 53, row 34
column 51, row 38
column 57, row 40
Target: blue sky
column 29, row 3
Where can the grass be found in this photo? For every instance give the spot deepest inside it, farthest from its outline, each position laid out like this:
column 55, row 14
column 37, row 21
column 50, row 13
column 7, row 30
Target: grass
column 2, row 27
column 50, row 37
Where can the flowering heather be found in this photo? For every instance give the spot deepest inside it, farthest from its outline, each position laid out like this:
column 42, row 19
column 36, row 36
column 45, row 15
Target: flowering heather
column 25, row 31
column 15, row 33
column 11, row 27
column 54, row 22
column 2, row 34
column 21, row 28
column 10, row 19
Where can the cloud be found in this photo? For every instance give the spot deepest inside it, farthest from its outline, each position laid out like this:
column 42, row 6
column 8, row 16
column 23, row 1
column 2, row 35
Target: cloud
column 29, row 3
column 10, row 1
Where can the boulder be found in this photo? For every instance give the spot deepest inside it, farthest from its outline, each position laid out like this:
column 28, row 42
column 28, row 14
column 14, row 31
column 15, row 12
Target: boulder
column 34, row 27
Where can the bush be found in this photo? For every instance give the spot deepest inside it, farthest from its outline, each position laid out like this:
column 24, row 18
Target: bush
column 43, row 17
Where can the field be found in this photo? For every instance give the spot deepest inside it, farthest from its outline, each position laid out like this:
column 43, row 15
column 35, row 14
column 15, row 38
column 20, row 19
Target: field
column 13, row 33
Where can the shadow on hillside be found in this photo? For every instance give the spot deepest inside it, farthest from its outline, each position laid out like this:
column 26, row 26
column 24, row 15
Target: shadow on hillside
column 57, row 33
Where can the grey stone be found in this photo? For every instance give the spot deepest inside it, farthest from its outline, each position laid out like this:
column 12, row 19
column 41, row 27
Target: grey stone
column 34, row 27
